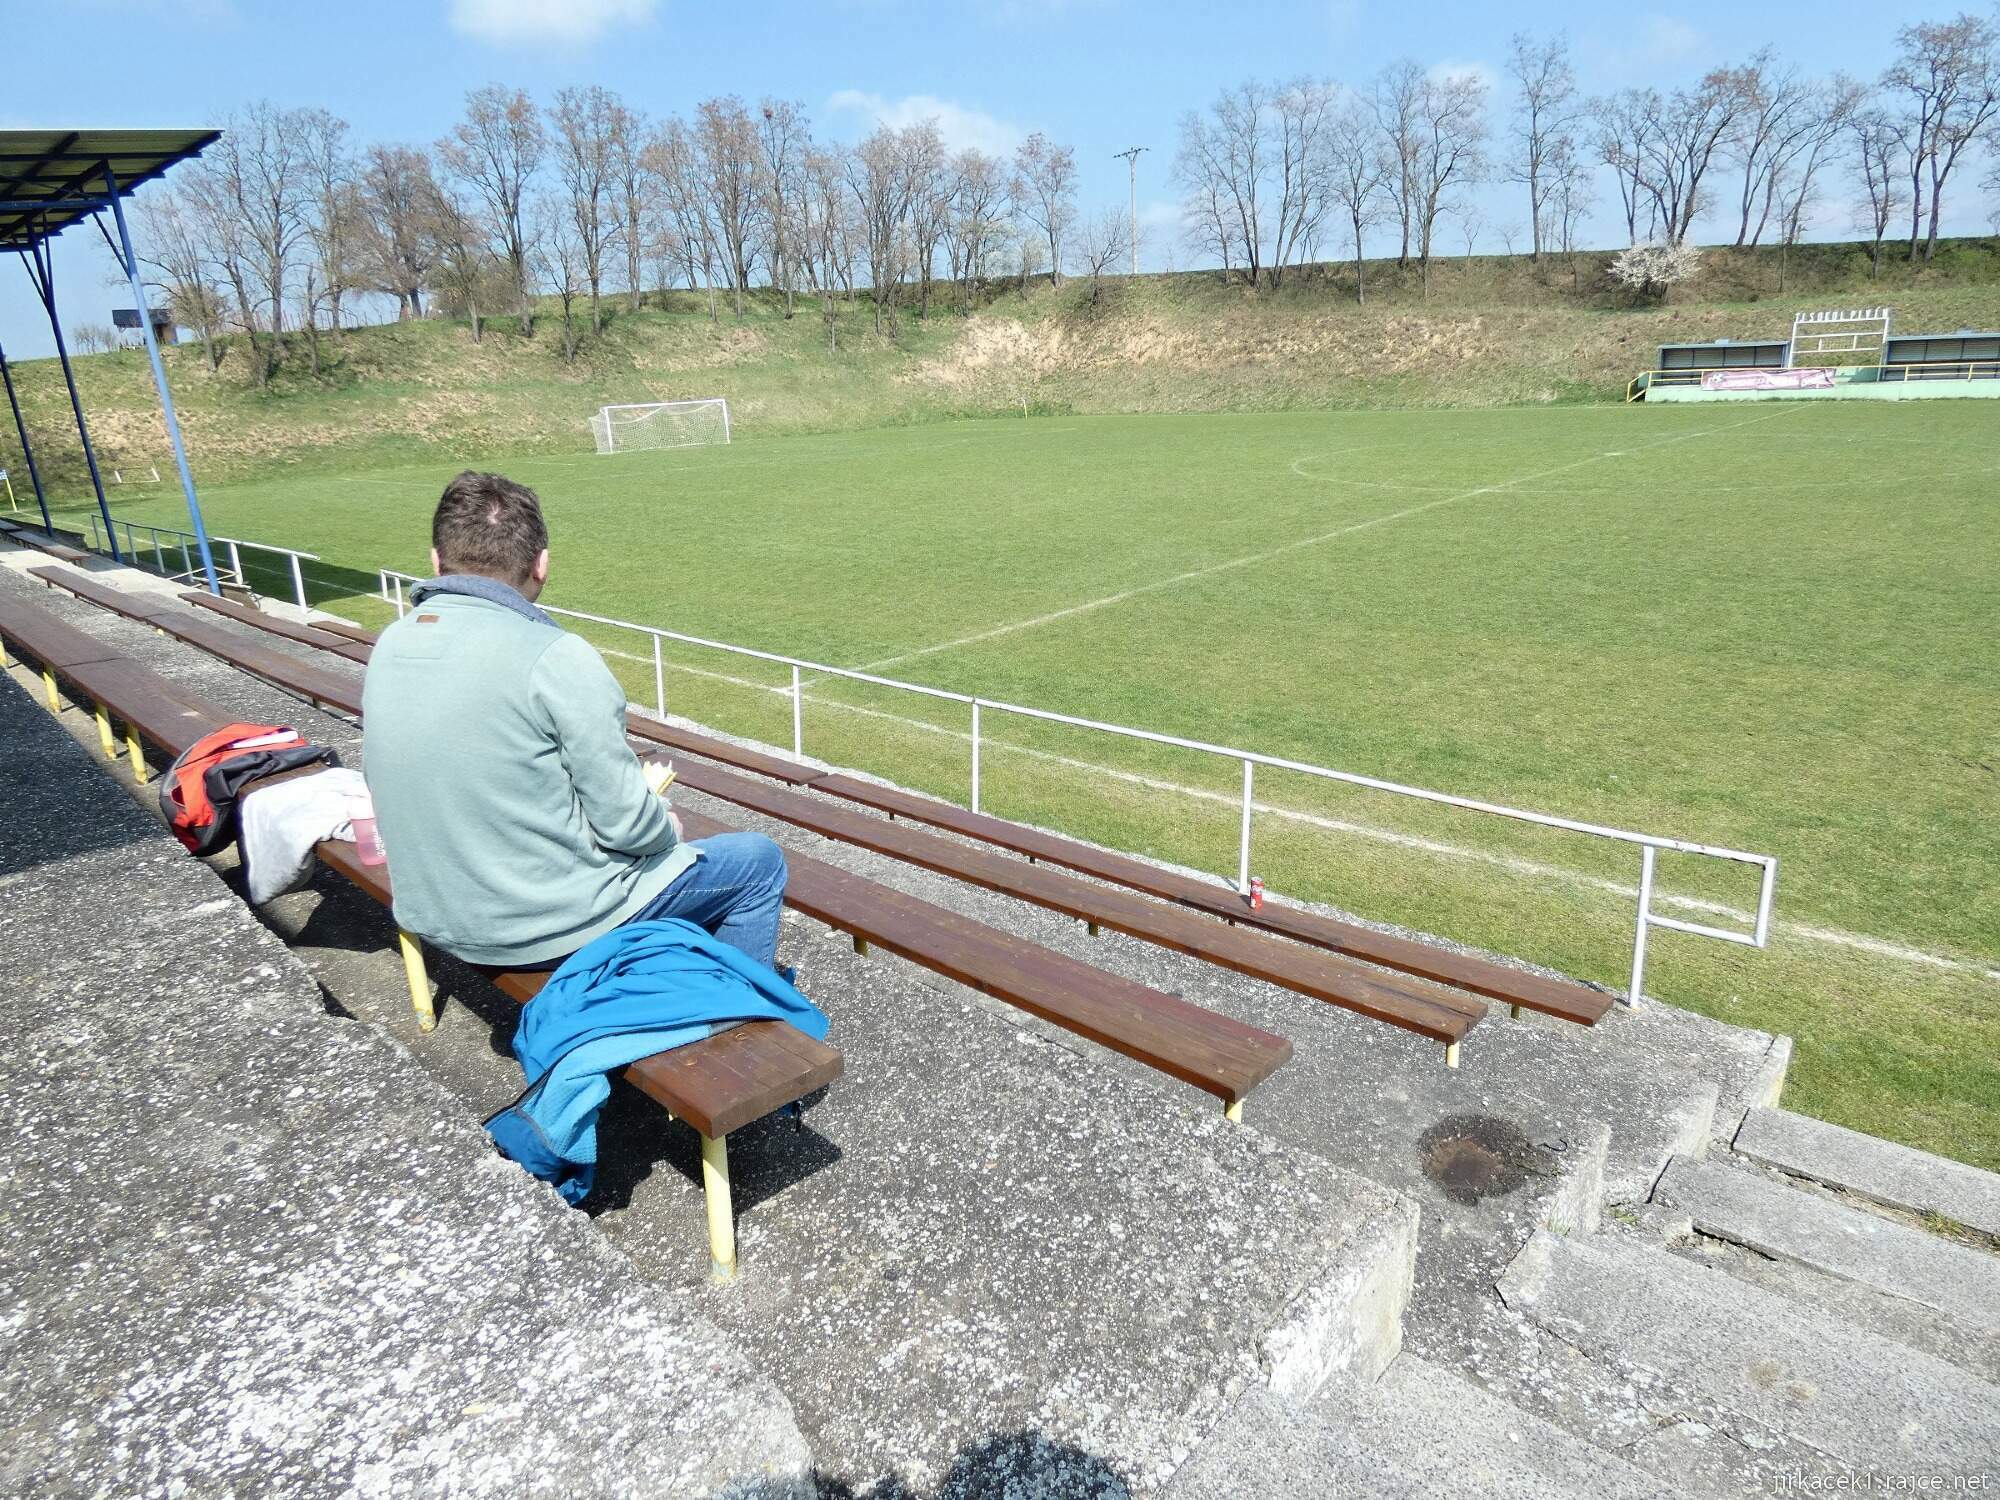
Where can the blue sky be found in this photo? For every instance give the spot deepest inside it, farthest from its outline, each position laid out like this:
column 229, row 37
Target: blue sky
column 1098, row 74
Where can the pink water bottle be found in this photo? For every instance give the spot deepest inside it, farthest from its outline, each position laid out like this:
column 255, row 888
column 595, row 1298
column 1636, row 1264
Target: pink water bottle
column 367, row 842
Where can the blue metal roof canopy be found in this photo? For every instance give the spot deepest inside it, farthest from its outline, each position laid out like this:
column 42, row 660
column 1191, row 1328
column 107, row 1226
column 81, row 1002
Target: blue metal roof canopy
column 51, row 180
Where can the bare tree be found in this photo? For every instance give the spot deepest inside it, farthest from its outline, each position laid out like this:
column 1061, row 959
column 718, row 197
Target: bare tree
column 827, row 242
column 496, row 151
column 254, row 191
column 686, row 234
column 1302, row 117
column 976, row 225
column 1105, row 240
column 1687, row 129
column 1624, row 124
column 1471, row 224
column 1045, row 193
column 1399, row 95
column 1877, row 144
column 1509, row 231
column 334, row 219
column 587, row 122
column 1546, row 116
column 784, row 138
column 1948, row 78
column 181, row 267
column 1359, row 172
column 726, row 151
column 463, row 264
column 1804, row 148
column 1224, row 164
column 398, row 243
column 878, row 177
column 632, row 188
column 1774, row 100
column 1451, row 134
column 931, row 186
column 559, row 261
column 1573, row 197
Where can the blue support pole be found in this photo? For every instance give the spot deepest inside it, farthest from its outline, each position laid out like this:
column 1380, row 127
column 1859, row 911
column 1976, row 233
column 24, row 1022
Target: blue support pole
column 27, row 448
column 131, row 268
column 43, row 276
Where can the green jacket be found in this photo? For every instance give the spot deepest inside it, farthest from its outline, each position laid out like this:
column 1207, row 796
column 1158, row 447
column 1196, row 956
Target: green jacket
column 515, row 816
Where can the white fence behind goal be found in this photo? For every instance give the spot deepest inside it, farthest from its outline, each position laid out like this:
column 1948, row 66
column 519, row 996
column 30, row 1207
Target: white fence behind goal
column 660, row 424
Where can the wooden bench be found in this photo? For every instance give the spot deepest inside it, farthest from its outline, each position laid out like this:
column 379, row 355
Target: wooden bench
column 717, row 1085
column 1221, row 1056
column 1519, row 989
column 1438, row 1014
column 1368, row 993
column 245, row 614
column 43, row 542
column 141, row 606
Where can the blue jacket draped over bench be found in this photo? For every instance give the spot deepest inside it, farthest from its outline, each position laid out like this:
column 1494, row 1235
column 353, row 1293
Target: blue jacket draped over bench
column 642, row 988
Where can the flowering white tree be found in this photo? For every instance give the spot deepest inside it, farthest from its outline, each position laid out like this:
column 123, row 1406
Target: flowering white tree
column 1651, row 269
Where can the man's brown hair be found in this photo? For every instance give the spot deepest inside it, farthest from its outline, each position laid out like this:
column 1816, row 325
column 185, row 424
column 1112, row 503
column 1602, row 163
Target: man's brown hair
column 489, row 525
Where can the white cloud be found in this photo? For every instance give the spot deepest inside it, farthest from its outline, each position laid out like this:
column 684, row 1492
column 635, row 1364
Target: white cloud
column 523, row 23
column 960, row 127
column 1482, row 73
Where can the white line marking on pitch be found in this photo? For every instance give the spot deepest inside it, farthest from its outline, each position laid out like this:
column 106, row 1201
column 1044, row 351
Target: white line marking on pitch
column 1512, row 863
column 1251, row 559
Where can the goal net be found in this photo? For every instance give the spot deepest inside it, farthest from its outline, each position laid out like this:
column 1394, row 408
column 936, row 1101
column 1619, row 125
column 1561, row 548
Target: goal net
column 660, row 424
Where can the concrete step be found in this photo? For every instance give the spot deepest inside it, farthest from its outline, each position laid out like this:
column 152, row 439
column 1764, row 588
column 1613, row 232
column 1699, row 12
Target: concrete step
column 1859, row 1398
column 1776, row 1219
column 1871, row 1168
column 1419, row 1430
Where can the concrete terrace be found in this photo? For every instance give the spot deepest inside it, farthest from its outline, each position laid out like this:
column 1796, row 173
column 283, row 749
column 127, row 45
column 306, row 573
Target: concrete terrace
column 256, row 1241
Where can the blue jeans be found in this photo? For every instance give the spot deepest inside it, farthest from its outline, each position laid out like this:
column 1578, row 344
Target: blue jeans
column 735, row 890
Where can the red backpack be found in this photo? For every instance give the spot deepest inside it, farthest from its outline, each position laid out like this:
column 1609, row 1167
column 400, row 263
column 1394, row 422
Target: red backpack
column 198, row 793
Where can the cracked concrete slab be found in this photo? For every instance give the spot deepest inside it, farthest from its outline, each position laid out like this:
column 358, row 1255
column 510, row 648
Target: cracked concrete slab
column 249, row 1246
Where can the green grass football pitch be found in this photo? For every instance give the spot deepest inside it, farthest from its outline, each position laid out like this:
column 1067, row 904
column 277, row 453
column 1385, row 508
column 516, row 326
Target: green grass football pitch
column 1769, row 626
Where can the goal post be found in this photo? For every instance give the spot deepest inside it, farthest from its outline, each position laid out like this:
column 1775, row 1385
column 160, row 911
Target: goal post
column 660, row 424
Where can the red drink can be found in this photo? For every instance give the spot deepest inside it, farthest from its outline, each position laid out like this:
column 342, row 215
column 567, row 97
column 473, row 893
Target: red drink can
column 1256, row 893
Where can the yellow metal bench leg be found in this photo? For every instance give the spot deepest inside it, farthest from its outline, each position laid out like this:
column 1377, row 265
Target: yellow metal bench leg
column 136, row 753
column 1451, row 1055
column 420, row 981
column 49, row 687
column 105, row 737
column 721, row 1211
column 4, row 662
column 861, row 946
column 1513, row 1012
column 1233, row 1112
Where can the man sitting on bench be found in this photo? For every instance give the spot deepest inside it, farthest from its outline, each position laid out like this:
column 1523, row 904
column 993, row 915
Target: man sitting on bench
column 518, row 823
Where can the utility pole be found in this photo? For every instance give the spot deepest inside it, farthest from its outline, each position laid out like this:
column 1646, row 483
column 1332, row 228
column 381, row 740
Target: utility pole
column 1130, row 156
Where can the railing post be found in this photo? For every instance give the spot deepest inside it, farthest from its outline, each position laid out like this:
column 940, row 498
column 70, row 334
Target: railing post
column 236, row 566
column 798, row 717
column 298, row 582
column 659, row 678
column 1243, row 850
column 1647, row 855
column 187, row 560
column 975, row 755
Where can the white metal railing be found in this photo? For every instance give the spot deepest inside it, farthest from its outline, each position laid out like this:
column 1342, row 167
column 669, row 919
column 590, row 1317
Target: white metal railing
column 392, row 585
column 185, row 541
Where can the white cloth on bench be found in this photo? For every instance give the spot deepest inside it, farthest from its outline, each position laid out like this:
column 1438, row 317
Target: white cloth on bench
column 280, row 824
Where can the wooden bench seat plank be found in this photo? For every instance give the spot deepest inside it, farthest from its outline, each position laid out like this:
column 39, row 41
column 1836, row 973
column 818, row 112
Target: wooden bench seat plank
column 716, row 1085
column 133, row 606
column 245, row 614
column 673, row 737
column 347, row 632
column 1212, row 1052
column 164, row 716
column 1562, row 998
column 54, row 643
column 1437, row 1014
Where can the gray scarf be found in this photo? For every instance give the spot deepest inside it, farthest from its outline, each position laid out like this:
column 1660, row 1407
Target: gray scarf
column 478, row 586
